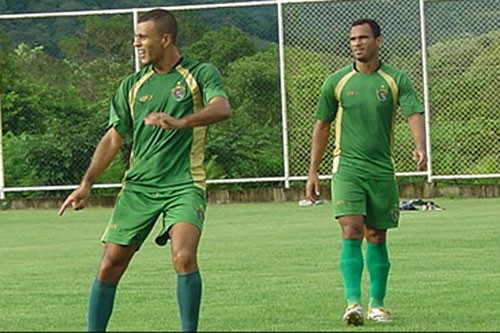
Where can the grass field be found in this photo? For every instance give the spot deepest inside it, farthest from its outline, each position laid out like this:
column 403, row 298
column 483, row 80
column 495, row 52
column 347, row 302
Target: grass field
column 265, row 267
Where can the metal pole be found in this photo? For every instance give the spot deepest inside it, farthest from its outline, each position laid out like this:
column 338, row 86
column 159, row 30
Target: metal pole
column 426, row 91
column 136, row 53
column 2, row 184
column 284, row 122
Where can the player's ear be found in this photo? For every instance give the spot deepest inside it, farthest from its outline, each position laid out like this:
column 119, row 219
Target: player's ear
column 168, row 39
column 379, row 40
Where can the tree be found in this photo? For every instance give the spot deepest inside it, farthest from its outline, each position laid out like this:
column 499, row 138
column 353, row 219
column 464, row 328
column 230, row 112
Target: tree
column 44, row 113
column 221, row 47
column 249, row 144
column 101, row 36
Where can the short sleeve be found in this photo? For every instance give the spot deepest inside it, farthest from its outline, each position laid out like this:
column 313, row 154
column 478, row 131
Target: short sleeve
column 326, row 109
column 210, row 81
column 119, row 111
column 408, row 100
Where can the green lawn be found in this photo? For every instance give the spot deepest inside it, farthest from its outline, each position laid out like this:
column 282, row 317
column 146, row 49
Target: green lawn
column 265, row 267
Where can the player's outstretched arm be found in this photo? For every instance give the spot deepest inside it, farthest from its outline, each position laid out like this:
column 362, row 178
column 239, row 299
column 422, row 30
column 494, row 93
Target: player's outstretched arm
column 320, row 136
column 104, row 154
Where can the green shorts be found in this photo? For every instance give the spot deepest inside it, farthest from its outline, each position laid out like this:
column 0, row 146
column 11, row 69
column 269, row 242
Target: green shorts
column 377, row 200
column 136, row 212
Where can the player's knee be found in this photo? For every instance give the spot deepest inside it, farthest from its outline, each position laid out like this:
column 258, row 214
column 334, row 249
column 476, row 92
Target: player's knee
column 352, row 231
column 111, row 271
column 113, row 264
column 352, row 226
column 375, row 236
column 184, row 261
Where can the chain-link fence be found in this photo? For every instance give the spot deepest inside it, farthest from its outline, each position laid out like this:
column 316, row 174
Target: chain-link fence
column 59, row 70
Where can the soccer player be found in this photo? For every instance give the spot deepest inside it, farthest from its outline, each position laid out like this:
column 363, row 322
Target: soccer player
column 165, row 108
column 363, row 99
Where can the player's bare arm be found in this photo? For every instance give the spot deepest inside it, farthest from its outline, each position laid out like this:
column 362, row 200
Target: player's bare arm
column 104, row 154
column 416, row 123
column 320, row 136
column 217, row 110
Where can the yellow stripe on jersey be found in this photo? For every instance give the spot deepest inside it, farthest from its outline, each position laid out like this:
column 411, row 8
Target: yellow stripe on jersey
column 395, row 98
column 199, row 133
column 131, row 101
column 340, row 113
column 135, row 88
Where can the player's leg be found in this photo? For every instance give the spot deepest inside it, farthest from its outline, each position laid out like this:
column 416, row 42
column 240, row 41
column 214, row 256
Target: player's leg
column 184, row 244
column 183, row 225
column 351, row 266
column 103, row 289
column 382, row 214
column 131, row 221
column 349, row 209
column 378, row 265
column 351, row 256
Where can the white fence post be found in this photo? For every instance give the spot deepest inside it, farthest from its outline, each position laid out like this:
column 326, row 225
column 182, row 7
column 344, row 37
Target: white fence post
column 425, row 90
column 284, row 122
column 2, row 184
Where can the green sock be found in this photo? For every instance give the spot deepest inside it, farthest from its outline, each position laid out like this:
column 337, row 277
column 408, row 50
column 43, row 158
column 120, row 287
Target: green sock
column 101, row 299
column 351, row 267
column 189, row 298
column 377, row 262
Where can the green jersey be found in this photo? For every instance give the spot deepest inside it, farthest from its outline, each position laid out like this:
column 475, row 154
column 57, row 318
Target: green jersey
column 364, row 109
column 164, row 158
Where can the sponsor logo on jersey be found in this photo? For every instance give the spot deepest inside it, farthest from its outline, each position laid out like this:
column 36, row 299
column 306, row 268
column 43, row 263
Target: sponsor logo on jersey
column 178, row 92
column 352, row 93
column 146, row 98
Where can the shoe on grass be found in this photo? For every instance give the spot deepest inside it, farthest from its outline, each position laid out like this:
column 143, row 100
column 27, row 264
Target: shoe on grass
column 353, row 315
column 380, row 314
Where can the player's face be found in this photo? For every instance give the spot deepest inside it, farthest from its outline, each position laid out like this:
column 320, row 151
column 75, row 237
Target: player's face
column 364, row 45
column 150, row 43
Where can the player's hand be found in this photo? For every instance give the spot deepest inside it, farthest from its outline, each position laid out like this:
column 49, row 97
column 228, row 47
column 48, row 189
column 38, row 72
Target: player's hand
column 163, row 120
column 312, row 187
column 420, row 156
column 77, row 199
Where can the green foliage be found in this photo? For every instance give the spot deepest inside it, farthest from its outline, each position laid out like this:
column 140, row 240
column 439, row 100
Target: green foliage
column 109, row 37
column 55, row 98
column 460, row 147
column 221, row 47
column 191, row 28
column 51, row 131
column 17, row 171
column 465, row 138
column 249, row 144
column 213, row 169
column 26, row 98
column 305, row 76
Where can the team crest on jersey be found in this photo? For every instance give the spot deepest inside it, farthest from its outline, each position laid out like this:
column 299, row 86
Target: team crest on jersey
column 382, row 94
column 395, row 214
column 200, row 212
column 178, row 92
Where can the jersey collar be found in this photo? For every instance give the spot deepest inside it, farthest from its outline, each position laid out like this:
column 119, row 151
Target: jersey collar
column 376, row 70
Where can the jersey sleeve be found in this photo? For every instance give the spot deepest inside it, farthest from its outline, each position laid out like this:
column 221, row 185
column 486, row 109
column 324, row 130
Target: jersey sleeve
column 326, row 109
column 119, row 111
column 210, row 80
column 408, row 100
